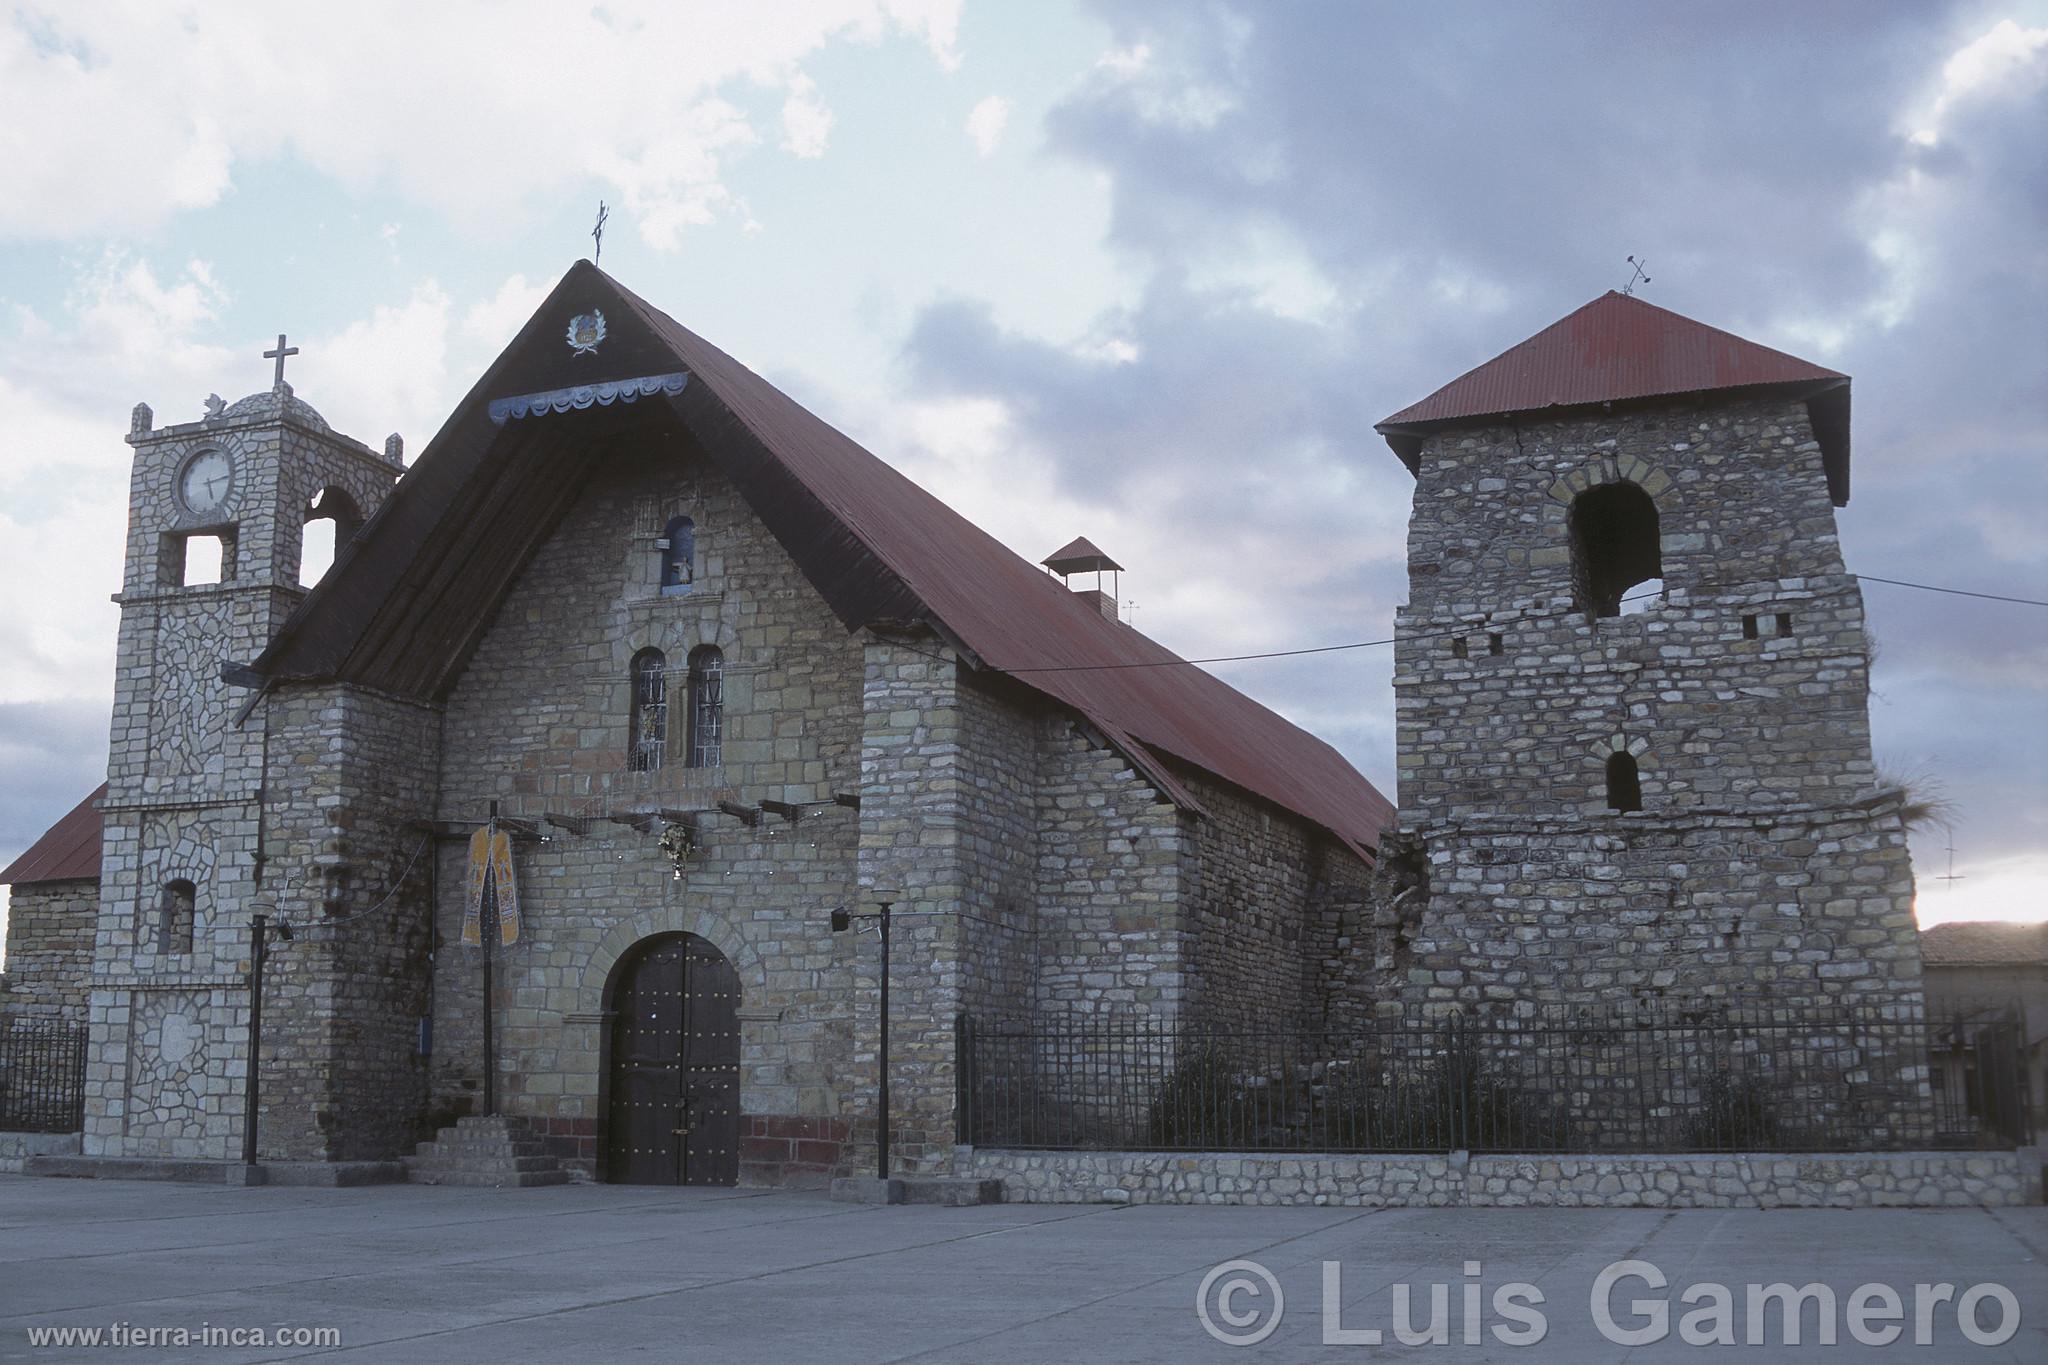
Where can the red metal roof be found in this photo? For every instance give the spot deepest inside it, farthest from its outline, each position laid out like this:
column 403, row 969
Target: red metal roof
column 1079, row 555
column 1615, row 349
column 879, row 548
column 68, row 850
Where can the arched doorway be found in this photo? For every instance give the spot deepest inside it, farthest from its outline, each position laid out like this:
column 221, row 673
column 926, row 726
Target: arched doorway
column 672, row 1116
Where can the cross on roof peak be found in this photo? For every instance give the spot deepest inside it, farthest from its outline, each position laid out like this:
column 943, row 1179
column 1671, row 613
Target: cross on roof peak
column 277, row 384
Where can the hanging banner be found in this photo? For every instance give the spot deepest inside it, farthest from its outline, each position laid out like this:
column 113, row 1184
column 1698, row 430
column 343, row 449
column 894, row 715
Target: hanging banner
column 490, row 875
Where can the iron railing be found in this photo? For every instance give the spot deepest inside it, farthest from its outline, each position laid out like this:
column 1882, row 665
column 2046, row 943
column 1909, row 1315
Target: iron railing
column 1730, row 1077
column 42, row 1076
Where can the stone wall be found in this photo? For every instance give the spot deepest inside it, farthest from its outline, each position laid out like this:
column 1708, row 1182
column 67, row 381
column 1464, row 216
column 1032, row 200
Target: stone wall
column 1508, row 693
column 539, row 723
column 1765, row 858
column 1110, row 888
column 49, row 950
column 916, row 781
column 1731, row 1180
column 1259, row 885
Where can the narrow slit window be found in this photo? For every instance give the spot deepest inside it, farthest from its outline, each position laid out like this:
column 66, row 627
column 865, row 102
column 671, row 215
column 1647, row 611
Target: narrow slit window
column 1749, row 628
column 649, row 737
column 1458, row 650
column 707, row 707
column 678, row 555
column 1784, row 623
column 177, row 907
column 1495, row 645
column 1624, row 783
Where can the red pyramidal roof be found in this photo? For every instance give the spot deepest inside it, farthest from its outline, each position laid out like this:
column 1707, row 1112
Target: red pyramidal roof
column 1619, row 348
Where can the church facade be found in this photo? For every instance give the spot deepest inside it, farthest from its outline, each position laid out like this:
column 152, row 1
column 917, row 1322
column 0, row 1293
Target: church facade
column 715, row 673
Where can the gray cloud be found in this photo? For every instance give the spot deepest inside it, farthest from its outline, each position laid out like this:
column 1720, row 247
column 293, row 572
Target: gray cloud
column 1462, row 176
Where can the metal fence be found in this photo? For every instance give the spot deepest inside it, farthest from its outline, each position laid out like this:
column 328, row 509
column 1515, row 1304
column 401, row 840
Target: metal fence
column 42, row 1076
column 1733, row 1077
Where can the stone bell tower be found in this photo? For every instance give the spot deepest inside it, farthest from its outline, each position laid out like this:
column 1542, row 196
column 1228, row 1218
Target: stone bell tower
column 217, row 510
column 1631, row 683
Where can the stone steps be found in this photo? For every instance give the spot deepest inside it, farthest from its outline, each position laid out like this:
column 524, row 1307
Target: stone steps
column 496, row 1152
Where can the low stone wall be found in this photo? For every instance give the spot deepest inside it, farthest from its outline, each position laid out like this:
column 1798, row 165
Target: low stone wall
column 18, row 1147
column 1686, row 1180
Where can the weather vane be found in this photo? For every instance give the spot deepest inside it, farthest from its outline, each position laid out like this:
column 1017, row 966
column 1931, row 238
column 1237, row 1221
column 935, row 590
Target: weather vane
column 597, row 233
column 1640, row 277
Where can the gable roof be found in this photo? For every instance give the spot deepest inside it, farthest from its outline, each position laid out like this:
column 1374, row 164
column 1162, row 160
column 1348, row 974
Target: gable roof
column 1984, row 943
column 406, row 602
column 68, row 851
column 1620, row 349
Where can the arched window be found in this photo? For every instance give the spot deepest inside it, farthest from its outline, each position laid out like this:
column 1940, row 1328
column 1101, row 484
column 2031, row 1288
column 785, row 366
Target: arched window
column 707, row 707
column 1624, row 783
column 648, row 741
column 678, row 555
column 332, row 519
column 176, row 907
column 1615, row 545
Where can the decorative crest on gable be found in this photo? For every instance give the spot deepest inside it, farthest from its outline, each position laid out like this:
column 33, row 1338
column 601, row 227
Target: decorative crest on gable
column 585, row 395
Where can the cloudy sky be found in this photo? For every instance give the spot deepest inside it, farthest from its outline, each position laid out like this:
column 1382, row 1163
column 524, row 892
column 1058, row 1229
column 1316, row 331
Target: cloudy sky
column 1143, row 271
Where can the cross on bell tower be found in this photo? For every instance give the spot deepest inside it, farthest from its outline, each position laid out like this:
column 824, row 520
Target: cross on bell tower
column 277, row 384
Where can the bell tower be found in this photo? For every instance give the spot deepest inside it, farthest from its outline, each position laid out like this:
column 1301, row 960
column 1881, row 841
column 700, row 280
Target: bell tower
column 1631, row 680
column 217, row 512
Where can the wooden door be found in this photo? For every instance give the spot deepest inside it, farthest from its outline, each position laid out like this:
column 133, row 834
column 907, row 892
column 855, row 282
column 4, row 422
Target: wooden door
column 673, row 1116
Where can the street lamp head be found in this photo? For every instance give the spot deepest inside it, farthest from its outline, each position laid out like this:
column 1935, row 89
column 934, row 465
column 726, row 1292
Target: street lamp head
column 283, row 930
column 841, row 921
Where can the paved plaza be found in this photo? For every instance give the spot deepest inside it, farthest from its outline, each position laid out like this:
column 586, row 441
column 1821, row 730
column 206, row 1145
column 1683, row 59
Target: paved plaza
column 605, row 1273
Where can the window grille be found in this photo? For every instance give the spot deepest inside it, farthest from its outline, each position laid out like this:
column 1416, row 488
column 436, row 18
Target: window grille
column 649, row 738
column 707, row 707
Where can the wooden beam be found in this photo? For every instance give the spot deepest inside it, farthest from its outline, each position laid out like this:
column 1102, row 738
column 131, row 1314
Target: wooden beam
column 637, row 819
column 751, row 815
column 851, row 800
column 787, row 811
column 575, row 824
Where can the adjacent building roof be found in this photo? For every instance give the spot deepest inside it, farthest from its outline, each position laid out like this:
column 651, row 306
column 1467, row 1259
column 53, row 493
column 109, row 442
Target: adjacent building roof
column 1620, row 349
column 70, row 850
column 405, row 603
column 1984, row 943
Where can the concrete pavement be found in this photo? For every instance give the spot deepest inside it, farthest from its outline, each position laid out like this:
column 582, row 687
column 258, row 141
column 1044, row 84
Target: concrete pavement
column 594, row 1273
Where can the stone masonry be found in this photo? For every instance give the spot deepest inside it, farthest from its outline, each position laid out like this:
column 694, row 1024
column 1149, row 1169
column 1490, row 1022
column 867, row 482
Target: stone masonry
column 1765, row 858
column 186, row 801
column 49, row 950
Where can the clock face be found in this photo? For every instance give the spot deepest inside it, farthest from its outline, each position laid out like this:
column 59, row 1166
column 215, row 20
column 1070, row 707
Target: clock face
column 204, row 485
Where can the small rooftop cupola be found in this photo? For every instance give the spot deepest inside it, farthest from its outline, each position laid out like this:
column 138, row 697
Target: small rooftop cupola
column 1081, row 556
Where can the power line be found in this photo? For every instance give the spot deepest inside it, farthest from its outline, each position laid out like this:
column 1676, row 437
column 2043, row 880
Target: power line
column 1433, row 634
column 1291, row 653
column 1954, row 592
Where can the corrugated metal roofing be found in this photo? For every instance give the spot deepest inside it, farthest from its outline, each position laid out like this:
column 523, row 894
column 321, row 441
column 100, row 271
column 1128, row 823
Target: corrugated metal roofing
column 68, row 850
column 1617, row 349
column 880, row 549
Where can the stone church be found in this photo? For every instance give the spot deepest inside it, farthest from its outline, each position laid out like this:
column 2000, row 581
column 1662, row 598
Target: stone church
column 716, row 672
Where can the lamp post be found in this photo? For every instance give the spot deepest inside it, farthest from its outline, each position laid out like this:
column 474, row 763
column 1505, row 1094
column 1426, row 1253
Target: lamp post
column 842, row 920
column 259, row 932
